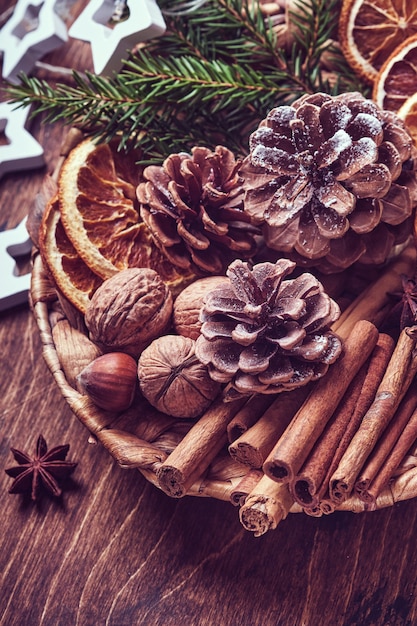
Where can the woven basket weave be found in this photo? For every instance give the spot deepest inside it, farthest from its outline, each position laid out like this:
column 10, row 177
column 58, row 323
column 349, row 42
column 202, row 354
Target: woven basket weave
column 143, row 438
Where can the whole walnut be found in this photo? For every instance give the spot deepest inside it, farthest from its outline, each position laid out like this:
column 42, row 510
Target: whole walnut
column 129, row 310
column 186, row 313
column 173, row 380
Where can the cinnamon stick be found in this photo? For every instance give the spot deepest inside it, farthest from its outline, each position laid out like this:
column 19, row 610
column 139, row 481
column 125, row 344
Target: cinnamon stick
column 197, row 449
column 248, row 415
column 311, row 483
column 327, row 506
column 375, row 302
column 324, row 506
column 313, row 511
column 245, row 486
column 295, row 444
column 306, row 485
column 397, row 378
column 392, row 462
column 386, row 443
column 253, row 446
column 265, row 506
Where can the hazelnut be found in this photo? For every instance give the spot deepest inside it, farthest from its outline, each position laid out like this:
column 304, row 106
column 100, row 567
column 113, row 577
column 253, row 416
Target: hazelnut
column 128, row 310
column 189, row 302
column 110, row 381
column 173, row 380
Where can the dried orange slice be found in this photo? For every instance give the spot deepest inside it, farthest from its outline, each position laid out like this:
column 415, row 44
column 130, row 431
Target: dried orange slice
column 408, row 113
column 397, row 79
column 99, row 212
column 71, row 275
column 370, row 30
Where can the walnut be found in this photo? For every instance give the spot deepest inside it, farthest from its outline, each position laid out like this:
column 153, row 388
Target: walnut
column 189, row 302
column 173, row 380
column 128, row 311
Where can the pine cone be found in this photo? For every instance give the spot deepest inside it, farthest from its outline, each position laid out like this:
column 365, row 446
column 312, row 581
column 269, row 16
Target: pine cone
column 332, row 181
column 193, row 206
column 265, row 334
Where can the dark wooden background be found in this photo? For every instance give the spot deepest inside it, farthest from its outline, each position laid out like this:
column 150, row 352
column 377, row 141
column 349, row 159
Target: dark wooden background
column 116, row 551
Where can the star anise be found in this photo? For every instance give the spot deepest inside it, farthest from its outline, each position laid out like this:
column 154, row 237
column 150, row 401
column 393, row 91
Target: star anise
column 44, row 470
column 405, row 310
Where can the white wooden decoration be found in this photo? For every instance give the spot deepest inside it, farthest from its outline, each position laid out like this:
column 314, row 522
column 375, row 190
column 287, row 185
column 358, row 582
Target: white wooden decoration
column 110, row 43
column 33, row 30
column 14, row 289
column 22, row 151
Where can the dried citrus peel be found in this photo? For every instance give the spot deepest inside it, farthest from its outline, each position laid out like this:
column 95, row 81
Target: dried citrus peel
column 370, row 30
column 72, row 276
column 397, row 79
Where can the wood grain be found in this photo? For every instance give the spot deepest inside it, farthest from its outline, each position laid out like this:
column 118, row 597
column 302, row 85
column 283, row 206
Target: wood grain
column 117, row 551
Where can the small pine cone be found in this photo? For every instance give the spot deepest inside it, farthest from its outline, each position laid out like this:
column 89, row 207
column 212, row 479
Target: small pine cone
column 265, row 334
column 193, row 206
column 332, row 181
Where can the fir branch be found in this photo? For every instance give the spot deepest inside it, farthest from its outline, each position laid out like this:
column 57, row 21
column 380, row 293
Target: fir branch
column 166, row 98
column 317, row 23
column 257, row 28
column 215, row 80
column 192, row 81
column 232, row 30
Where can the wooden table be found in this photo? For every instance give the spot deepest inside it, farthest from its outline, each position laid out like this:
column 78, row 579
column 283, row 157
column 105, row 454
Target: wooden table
column 117, row 551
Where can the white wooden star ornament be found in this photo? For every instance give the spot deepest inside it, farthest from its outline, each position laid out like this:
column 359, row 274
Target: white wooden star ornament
column 112, row 35
column 33, row 30
column 21, row 151
column 14, row 288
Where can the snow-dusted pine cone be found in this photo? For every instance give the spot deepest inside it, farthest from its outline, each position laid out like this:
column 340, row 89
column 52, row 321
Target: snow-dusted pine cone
column 193, row 206
column 265, row 334
column 332, row 181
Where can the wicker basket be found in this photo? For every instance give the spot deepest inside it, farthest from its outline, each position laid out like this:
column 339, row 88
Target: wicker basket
column 144, row 439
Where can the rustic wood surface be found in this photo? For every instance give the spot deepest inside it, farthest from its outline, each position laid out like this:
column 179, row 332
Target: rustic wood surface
column 117, row 551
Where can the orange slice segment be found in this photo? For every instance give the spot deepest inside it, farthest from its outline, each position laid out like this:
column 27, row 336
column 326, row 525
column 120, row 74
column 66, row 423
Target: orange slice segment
column 97, row 214
column 71, row 275
column 408, row 113
column 397, row 79
column 370, row 30
column 98, row 205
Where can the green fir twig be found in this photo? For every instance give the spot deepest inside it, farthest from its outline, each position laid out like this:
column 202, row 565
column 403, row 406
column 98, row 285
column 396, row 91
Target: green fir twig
column 209, row 80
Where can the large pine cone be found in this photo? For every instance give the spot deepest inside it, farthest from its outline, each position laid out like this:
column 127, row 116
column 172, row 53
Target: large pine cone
column 265, row 334
column 332, row 181
column 193, row 206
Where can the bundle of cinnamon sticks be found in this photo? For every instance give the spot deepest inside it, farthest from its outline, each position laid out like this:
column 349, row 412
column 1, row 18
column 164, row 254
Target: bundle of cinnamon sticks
column 339, row 440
